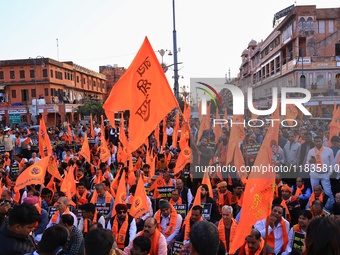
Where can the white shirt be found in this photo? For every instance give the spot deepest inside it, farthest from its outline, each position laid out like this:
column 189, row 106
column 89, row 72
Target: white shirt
column 290, row 241
column 75, row 223
column 101, row 220
column 327, row 158
column 261, row 227
column 165, row 223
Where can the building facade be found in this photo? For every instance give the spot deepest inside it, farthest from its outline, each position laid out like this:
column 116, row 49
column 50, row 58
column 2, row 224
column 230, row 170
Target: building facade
column 112, row 73
column 29, row 87
column 303, row 50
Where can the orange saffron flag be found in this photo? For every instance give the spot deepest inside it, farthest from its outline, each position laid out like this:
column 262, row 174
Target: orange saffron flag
column 120, row 194
column 52, row 168
column 69, row 134
column 105, row 153
column 156, row 135
column 35, row 174
column 259, row 190
column 146, row 81
column 140, row 203
column 186, row 112
column 334, row 125
column 44, row 139
column 159, row 182
column 150, row 160
column 291, row 113
column 184, row 156
column 237, row 134
column 85, row 150
column 69, row 184
column 206, row 180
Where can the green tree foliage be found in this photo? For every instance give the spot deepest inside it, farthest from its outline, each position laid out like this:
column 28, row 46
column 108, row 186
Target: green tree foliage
column 96, row 108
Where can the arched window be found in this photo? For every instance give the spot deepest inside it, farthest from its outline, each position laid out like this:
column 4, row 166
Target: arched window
column 310, row 24
column 303, row 81
column 301, row 23
column 320, row 80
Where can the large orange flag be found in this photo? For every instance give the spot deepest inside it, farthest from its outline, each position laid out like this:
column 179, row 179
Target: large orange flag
column 85, row 150
column 334, row 125
column 44, row 139
column 146, row 81
column 35, row 174
column 69, row 184
column 140, row 204
column 259, row 191
column 120, row 194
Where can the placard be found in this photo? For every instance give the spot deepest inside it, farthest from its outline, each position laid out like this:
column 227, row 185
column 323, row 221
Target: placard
column 165, row 191
column 206, row 212
column 298, row 242
column 176, row 248
column 103, row 208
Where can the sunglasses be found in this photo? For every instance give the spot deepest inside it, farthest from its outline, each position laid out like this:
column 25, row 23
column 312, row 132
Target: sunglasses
column 121, row 212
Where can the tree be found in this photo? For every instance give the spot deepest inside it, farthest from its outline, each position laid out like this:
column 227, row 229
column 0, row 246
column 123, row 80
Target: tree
column 94, row 107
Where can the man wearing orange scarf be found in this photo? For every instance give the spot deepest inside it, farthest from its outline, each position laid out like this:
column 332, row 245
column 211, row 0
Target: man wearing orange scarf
column 62, row 208
column 302, row 192
column 227, row 226
column 289, row 203
column 222, row 196
column 89, row 217
column 278, row 229
column 305, row 217
column 101, row 196
column 158, row 241
column 254, row 245
column 168, row 221
column 321, row 160
column 123, row 226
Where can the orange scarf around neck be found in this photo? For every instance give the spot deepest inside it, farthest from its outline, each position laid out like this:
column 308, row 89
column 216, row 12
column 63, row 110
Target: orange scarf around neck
column 298, row 191
column 221, row 232
column 172, row 224
column 95, row 197
column 187, row 228
column 56, row 214
column 271, row 237
column 179, row 201
column 86, row 221
column 154, row 242
column 312, row 198
column 259, row 250
column 120, row 234
column 82, row 199
column 318, row 156
column 284, row 205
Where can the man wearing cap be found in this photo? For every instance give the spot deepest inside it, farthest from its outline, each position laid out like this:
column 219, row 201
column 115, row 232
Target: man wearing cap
column 290, row 204
column 222, row 195
column 123, row 226
column 34, row 200
column 168, row 221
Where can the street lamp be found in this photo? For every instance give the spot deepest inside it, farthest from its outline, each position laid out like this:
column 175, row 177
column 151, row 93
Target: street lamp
column 162, row 53
column 35, row 82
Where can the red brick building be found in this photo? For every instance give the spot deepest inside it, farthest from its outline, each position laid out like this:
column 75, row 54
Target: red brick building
column 58, row 88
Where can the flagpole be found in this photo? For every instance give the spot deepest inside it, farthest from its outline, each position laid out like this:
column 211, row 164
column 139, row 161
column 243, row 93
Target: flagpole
column 176, row 85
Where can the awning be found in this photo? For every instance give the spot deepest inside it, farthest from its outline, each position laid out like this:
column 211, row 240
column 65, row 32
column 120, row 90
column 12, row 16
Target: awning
column 314, row 103
column 330, row 102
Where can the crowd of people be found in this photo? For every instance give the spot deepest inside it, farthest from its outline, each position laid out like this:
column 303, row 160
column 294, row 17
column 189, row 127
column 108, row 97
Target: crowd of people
column 41, row 219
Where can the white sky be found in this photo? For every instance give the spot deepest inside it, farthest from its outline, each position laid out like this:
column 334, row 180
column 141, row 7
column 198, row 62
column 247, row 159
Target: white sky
column 211, row 34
